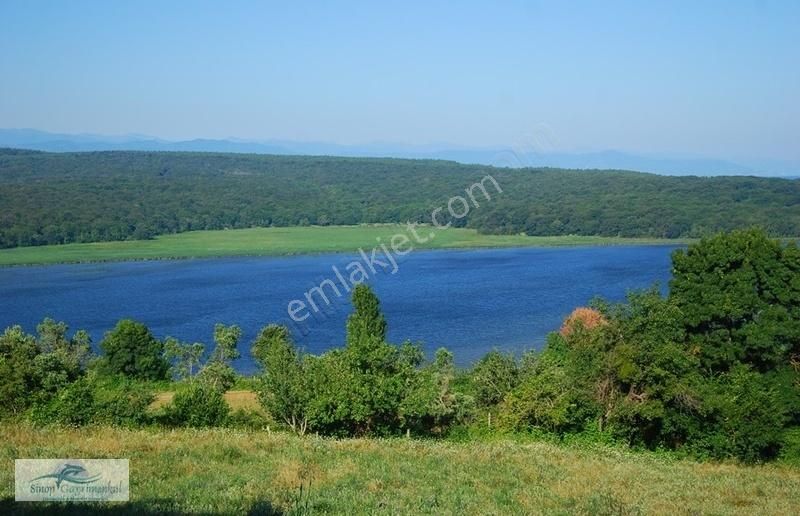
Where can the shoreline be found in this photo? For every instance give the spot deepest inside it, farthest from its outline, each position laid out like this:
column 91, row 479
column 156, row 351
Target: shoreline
column 288, row 242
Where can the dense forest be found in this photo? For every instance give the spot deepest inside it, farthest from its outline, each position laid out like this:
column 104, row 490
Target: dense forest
column 54, row 198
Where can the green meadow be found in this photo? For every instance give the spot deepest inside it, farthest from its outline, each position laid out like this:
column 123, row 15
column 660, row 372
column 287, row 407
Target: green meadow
column 231, row 471
column 288, row 241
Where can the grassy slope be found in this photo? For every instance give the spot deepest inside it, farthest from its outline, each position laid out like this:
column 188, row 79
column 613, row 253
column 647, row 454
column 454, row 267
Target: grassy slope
column 228, row 471
column 281, row 241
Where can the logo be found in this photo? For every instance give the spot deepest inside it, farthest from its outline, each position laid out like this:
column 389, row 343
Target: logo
column 83, row 480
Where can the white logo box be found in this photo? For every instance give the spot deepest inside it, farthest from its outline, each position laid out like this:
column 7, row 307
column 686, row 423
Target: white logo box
column 78, row 480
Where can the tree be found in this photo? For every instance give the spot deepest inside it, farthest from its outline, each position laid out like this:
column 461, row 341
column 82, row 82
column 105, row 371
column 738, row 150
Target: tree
column 131, row 350
column 494, row 376
column 18, row 378
column 60, row 360
column 430, row 405
column 284, row 390
column 218, row 371
column 184, row 357
column 652, row 394
column 366, row 326
column 740, row 296
column 226, row 339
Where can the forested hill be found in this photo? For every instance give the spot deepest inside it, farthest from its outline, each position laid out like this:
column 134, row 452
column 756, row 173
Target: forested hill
column 51, row 198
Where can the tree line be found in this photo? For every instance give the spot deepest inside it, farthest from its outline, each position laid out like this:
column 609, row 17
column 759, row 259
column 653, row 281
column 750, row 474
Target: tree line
column 711, row 370
column 57, row 198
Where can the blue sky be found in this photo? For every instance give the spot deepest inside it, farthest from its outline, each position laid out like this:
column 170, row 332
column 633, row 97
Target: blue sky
column 715, row 79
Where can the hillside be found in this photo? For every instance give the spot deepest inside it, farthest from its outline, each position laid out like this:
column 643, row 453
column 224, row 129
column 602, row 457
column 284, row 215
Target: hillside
column 51, row 198
column 224, row 471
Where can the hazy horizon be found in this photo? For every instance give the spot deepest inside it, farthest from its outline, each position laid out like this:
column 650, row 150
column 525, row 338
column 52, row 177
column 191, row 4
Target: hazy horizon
column 718, row 81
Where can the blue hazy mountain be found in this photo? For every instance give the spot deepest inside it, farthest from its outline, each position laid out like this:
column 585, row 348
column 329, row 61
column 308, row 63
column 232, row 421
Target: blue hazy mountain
column 56, row 142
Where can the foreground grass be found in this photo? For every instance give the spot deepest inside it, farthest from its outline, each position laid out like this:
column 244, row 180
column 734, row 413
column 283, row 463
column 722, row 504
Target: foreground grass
column 284, row 241
column 239, row 472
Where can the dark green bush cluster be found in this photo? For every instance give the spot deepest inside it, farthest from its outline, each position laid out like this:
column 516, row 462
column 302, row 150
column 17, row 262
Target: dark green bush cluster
column 99, row 400
column 35, row 369
column 369, row 387
column 711, row 369
column 197, row 405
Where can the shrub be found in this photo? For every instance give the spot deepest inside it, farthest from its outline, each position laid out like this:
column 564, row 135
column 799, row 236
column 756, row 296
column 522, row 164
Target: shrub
column 587, row 318
column 73, row 406
column 285, row 389
column 217, row 375
column 131, row 350
column 18, row 378
column 122, row 402
column 197, row 405
column 746, row 417
column 493, row 377
column 430, row 405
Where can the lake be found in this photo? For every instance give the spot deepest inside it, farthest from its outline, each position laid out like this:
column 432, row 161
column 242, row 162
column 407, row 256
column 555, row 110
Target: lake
column 469, row 301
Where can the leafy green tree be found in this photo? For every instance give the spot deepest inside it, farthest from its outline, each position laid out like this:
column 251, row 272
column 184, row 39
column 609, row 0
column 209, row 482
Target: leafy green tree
column 184, row 357
column 120, row 401
column 74, row 405
column 285, row 389
column 493, row 376
column 131, row 350
column 226, row 339
column 551, row 396
column 739, row 293
column 650, row 386
column 746, row 416
column 431, row 405
column 366, row 326
column 218, row 371
column 60, row 360
column 18, row 375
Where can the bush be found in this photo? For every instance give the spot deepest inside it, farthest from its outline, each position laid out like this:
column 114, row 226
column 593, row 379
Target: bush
column 73, row 406
column 493, row 377
column 198, row 405
column 132, row 351
column 122, row 402
column 790, row 451
column 18, row 378
column 740, row 299
column 285, row 388
column 746, row 417
column 217, row 375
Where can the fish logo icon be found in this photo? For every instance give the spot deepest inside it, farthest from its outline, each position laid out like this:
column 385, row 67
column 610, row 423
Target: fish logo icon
column 71, row 473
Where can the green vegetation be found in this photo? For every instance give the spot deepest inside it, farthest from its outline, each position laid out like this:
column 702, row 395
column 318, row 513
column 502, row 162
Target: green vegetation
column 285, row 241
column 131, row 350
column 106, row 196
column 234, row 471
column 711, row 371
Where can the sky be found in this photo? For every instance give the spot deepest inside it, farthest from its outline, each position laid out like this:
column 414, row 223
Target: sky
column 702, row 79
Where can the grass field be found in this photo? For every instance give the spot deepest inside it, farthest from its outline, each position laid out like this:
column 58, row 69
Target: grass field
column 224, row 471
column 285, row 241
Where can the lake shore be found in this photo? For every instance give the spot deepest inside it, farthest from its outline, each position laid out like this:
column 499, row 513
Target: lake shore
column 293, row 241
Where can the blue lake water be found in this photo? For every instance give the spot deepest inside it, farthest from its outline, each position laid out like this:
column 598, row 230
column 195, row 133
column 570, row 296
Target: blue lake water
column 468, row 301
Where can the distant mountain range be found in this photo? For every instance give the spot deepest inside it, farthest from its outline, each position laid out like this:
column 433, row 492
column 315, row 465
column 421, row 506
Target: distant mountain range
column 55, row 142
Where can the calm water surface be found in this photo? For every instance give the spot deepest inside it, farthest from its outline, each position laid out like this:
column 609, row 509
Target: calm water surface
column 468, row 301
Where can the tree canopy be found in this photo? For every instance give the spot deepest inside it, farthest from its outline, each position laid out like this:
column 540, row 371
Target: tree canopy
column 55, row 198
